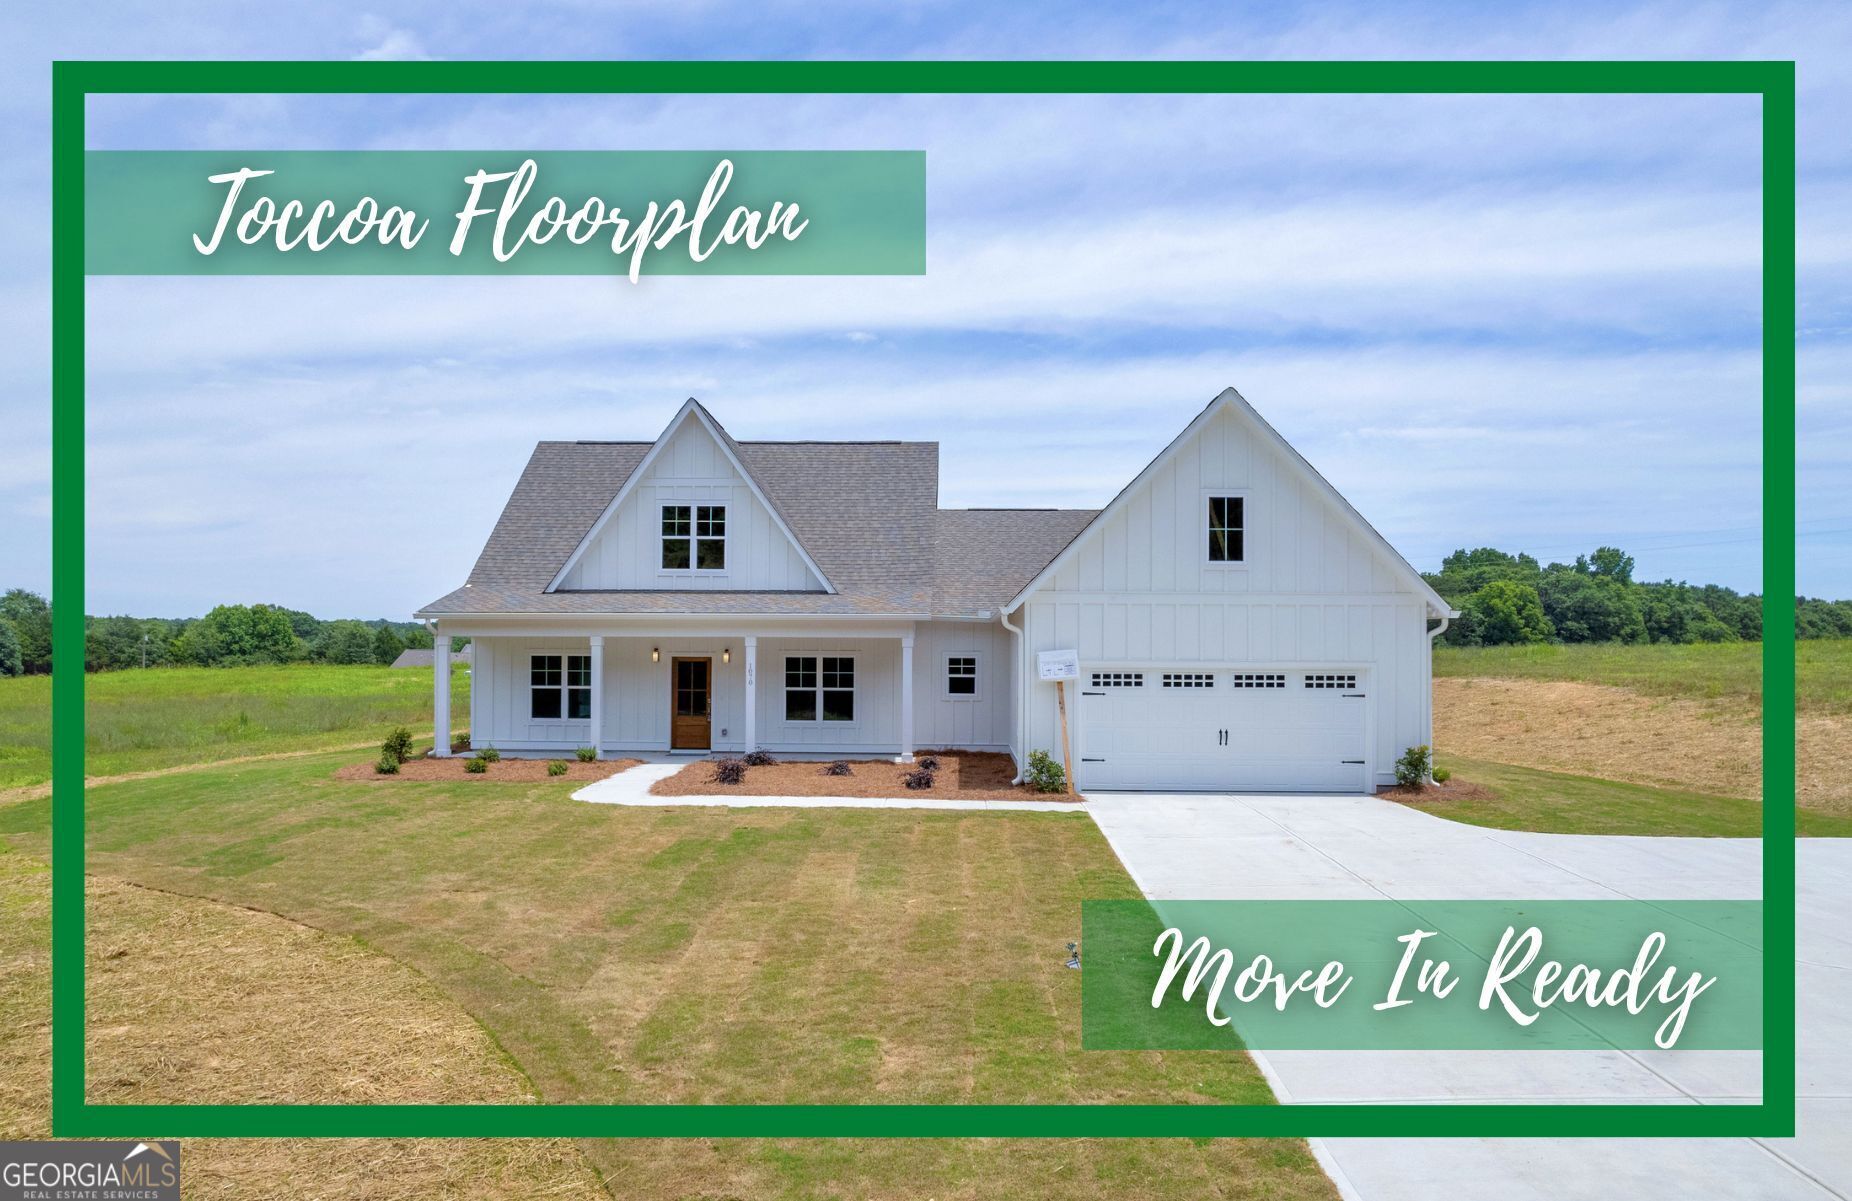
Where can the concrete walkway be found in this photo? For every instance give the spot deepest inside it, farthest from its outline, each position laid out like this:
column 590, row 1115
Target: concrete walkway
column 1252, row 847
column 633, row 788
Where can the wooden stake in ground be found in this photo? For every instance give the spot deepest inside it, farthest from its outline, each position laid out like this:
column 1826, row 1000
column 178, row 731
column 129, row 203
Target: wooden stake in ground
column 1067, row 756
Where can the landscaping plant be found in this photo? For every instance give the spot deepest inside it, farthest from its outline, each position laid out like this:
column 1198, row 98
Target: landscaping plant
column 1044, row 774
column 729, row 771
column 758, row 759
column 929, row 763
column 556, row 768
column 1411, row 770
column 398, row 745
column 475, row 766
column 489, row 754
column 387, row 765
column 1442, row 775
column 917, row 780
column 586, row 754
column 837, row 767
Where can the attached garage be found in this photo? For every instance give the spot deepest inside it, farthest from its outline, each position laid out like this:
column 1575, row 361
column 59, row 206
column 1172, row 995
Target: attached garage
column 1176, row 727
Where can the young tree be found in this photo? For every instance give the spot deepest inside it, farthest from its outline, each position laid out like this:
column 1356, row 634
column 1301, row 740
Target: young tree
column 30, row 617
column 10, row 664
column 386, row 646
column 1508, row 612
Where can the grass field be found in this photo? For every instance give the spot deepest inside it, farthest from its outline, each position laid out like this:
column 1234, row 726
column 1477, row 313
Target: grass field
column 1560, row 803
column 1701, row 671
column 699, row 955
column 162, row 717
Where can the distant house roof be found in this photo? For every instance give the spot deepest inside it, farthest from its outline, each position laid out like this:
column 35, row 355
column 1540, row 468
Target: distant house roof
column 866, row 512
column 425, row 657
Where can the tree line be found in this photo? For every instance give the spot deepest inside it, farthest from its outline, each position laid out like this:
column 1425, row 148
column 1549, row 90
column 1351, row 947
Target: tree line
column 1505, row 598
column 228, row 636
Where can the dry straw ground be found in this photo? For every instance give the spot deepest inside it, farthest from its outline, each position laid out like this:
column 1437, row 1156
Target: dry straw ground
column 193, row 1002
column 1704, row 745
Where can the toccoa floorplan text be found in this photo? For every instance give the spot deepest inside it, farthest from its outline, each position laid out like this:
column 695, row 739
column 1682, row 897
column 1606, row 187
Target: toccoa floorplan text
column 1239, row 626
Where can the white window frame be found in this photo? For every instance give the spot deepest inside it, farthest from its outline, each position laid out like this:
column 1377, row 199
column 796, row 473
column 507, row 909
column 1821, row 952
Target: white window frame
column 1247, row 529
column 976, row 677
column 817, row 690
column 565, row 688
column 695, row 539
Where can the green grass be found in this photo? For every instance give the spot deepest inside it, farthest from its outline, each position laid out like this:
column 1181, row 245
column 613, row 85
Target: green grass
column 1550, row 802
column 706, row 955
column 164, row 717
column 1823, row 668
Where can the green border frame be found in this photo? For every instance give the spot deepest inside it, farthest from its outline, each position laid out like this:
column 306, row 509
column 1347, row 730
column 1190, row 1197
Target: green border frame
column 72, row 1116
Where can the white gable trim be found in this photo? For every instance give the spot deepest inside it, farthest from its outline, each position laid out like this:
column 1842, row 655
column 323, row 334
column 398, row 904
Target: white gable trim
column 1229, row 398
column 691, row 409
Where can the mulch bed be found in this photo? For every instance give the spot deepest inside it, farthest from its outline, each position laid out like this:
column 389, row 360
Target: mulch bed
column 962, row 776
column 507, row 769
column 1455, row 789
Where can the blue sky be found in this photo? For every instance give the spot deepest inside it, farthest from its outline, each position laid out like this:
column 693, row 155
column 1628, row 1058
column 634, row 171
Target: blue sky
column 1529, row 322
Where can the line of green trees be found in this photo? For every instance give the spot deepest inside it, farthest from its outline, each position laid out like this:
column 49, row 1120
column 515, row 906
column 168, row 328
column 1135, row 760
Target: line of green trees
column 1505, row 598
column 229, row 636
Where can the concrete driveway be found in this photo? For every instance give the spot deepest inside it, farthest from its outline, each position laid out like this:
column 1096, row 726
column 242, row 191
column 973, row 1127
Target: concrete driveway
column 1267, row 847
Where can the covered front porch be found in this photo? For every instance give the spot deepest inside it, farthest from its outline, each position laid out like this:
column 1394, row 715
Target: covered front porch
column 684, row 689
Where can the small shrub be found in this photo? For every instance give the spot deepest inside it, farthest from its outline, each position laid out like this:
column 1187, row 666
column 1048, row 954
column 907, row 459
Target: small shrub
column 1442, row 775
column 387, row 766
column 1411, row 770
column 586, row 754
column 398, row 745
column 556, row 768
column 729, row 771
column 475, row 767
column 918, row 779
column 758, row 759
column 1044, row 774
column 489, row 754
column 929, row 763
column 837, row 767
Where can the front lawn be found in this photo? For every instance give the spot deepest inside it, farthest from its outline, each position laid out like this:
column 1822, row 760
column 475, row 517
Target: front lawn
column 1522, row 798
column 710, row 955
column 166, row 716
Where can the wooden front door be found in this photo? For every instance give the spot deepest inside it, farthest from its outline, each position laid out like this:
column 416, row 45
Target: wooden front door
column 691, row 703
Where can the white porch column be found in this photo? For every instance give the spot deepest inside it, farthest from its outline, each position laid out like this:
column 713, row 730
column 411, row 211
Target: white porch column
column 440, row 699
column 598, row 696
column 752, row 692
column 906, row 699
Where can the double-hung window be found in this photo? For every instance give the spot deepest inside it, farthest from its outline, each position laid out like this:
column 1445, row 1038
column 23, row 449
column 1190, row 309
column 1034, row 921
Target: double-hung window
column 819, row 688
column 694, row 537
column 1226, row 527
column 560, row 686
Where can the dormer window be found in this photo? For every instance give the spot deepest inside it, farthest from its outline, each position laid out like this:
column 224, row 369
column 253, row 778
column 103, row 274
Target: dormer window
column 694, row 537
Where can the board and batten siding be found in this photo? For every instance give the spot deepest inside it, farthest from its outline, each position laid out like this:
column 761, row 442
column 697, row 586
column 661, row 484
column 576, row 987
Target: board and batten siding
column 691, row 469
column 1314, row 590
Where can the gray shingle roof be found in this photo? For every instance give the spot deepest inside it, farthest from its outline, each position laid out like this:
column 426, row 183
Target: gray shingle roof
column 866, row 512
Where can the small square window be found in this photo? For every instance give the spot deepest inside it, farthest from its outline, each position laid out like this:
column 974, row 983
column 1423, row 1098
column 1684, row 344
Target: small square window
column 961, row 675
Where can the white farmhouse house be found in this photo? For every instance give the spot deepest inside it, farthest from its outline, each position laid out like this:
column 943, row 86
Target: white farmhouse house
column 1238, row 625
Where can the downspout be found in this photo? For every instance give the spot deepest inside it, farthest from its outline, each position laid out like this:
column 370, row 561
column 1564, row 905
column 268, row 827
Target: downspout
column 1022, row 693
column 1446, row 619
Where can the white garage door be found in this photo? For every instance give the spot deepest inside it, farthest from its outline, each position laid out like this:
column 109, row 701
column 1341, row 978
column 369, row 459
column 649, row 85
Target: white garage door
column 1159, row 728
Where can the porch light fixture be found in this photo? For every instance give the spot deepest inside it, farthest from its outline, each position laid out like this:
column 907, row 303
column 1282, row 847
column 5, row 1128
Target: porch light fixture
column 726, row 654
column 655, row 654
